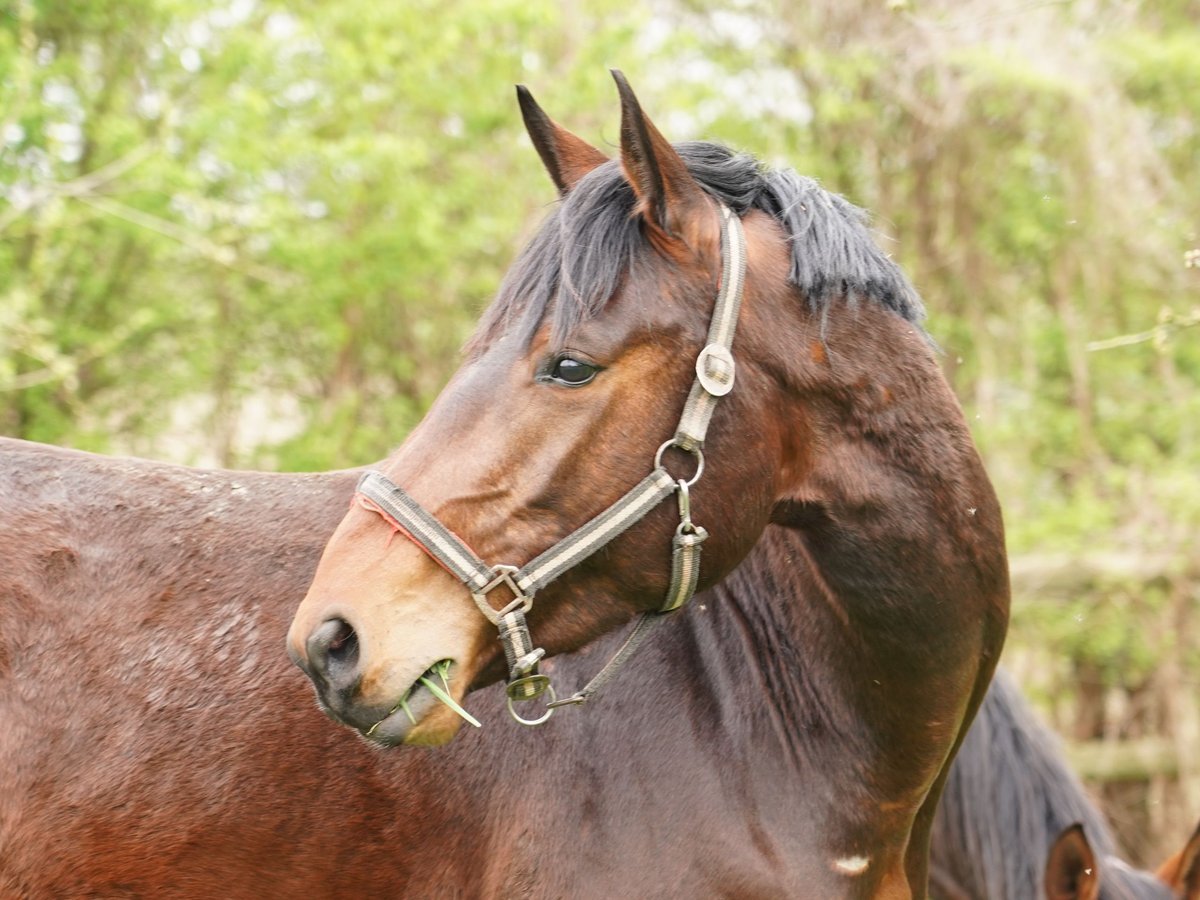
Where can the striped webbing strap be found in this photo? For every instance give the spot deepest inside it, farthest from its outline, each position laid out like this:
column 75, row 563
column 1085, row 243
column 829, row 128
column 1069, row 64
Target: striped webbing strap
column 399, row 508
column 714, row 379
column 714, row 366
column 423, row 528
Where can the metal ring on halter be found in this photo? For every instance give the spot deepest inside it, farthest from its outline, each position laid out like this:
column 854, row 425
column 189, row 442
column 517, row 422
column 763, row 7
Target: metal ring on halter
column 695, row 451
column 547, row 688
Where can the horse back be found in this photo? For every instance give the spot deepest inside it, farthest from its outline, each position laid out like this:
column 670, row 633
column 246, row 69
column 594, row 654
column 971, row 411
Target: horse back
column 137, row 615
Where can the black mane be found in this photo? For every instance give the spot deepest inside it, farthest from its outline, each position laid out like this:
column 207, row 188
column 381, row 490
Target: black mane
column 573, row 265
column 1009, row 795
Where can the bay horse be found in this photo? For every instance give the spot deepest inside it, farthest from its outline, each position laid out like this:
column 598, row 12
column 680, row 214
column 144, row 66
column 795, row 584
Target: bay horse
column 154, row 743
column 1014, row 818
column 854, row 552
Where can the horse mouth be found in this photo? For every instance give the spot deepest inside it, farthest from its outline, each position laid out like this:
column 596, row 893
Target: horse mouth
column 406, row 722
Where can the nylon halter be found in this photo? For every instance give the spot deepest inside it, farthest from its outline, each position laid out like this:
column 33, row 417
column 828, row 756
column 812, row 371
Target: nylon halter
column 715, row 372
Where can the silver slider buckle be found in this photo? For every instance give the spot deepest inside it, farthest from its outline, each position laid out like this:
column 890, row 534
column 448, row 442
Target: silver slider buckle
column 715, row 370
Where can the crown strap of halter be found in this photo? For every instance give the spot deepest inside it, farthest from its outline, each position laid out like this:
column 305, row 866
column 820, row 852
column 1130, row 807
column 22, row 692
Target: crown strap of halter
column 714, row 379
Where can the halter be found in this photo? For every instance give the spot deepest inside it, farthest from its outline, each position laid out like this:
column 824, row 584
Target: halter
column 714, row 379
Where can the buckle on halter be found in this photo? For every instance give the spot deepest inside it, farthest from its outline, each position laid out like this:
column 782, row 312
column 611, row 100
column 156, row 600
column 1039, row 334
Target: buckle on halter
column 715, row 369
column 502, row 575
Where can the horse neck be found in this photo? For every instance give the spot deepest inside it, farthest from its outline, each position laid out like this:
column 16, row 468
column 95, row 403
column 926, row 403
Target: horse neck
column 894, row 478
column 874, row 607
column 773, row 635
column 898, row 523
column 759, row 646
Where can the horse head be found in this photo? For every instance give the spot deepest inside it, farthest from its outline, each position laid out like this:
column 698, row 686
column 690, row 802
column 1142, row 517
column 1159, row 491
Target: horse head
column 575, row 378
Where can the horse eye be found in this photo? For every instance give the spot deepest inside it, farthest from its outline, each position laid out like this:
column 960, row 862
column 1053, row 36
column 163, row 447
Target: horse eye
column 572, row 372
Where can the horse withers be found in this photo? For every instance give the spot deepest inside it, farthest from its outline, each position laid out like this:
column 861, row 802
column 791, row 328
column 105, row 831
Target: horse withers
column 854, row 553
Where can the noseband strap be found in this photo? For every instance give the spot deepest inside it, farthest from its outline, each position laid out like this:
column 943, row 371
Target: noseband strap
column 714, row 379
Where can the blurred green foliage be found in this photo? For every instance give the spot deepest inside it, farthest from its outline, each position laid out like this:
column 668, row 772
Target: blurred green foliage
column 255, row 233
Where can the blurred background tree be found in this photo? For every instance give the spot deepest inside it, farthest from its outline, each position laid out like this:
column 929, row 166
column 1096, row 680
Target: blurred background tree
column 254, row 233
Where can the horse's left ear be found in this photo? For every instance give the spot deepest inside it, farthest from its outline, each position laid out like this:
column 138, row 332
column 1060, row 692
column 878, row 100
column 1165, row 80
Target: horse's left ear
column 670, row 200
column 1181, row 873
column 567, row 158
column 1071, row 868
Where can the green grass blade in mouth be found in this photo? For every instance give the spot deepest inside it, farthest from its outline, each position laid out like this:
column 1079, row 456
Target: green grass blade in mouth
column 436, row 689
column 407, row 711
column 403, row 704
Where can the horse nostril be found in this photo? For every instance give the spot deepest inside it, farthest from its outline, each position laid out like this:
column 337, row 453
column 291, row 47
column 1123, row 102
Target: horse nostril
column 343, row 640
column 333, row 652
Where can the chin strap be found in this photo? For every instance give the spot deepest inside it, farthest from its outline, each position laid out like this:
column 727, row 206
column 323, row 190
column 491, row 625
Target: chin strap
column 714, row 379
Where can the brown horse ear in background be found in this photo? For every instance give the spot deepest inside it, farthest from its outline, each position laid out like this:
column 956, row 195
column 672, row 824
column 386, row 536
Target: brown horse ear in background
column 670, row 200
column 1181, row 873
column 567, row 158
column 1071, row 867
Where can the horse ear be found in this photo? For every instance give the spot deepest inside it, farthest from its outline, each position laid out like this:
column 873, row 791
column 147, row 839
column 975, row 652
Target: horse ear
column 670, row 200
column 1071, row 867
column 567, row 158
column 1181, row 873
